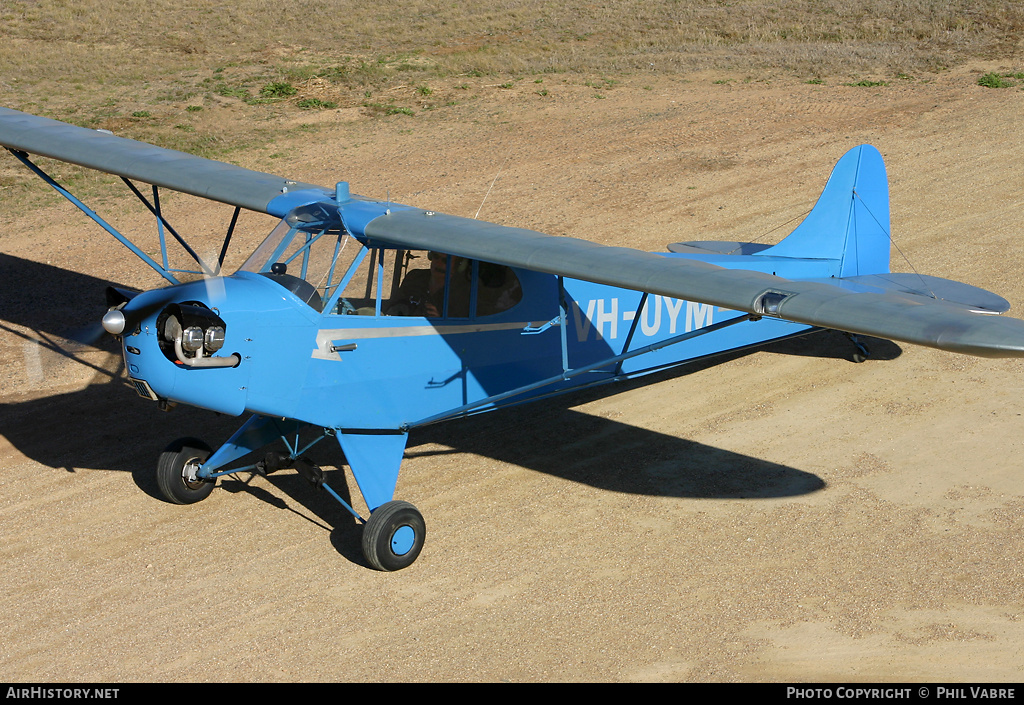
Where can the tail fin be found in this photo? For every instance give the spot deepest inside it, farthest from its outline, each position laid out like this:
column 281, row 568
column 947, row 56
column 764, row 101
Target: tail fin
column 850, row 221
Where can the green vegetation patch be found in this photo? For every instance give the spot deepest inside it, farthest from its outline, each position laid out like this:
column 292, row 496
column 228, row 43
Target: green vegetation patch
column 996, row 80
column 278, row 89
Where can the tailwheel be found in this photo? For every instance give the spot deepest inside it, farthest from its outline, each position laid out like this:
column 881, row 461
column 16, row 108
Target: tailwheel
column 176, row 471
column 393, row 536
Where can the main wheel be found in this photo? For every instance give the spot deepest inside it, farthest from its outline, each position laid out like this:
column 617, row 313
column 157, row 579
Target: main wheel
column 177, row 463
column 393, row 537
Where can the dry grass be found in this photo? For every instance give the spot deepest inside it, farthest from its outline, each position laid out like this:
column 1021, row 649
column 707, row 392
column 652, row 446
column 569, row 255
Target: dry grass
column 173, row 69
column 90, row 41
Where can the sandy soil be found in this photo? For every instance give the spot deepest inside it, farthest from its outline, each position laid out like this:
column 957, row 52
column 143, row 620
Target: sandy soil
column 783, row 515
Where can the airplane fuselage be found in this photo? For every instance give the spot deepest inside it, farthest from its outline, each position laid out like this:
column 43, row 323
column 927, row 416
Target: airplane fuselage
column 388, row 371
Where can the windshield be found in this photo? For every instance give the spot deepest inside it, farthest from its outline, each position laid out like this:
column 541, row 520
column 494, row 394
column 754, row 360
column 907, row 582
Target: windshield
column 319, row 257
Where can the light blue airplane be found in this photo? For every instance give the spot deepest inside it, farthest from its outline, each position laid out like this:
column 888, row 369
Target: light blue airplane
column 359, row 320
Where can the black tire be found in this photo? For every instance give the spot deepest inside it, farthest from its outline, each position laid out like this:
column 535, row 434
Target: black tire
column 393, row 537
column 170, row 471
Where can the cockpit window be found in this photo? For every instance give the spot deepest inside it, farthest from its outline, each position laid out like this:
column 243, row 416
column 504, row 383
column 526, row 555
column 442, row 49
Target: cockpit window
column 499, row 289
column 315, row 258
column 437, row 285
column 428, row 277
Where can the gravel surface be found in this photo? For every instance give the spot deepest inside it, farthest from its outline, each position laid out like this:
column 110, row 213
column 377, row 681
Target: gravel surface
column 781, row 515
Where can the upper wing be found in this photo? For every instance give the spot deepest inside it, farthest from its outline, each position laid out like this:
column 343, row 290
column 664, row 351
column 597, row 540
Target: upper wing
column 175, row 170
column 890, row 314
column 904, row 317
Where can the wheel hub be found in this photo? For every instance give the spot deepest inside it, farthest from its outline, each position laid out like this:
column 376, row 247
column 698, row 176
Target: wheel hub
column 403, row 540
column 190, row 473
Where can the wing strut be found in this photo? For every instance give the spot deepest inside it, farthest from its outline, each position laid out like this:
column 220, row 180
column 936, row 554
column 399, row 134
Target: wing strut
column 632, row 330
column 164, row 270
column 154, row 208
column 23, row 158
column 227, row 239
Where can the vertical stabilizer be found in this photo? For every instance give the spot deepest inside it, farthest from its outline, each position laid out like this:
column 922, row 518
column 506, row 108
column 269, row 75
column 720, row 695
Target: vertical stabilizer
column 850, row 221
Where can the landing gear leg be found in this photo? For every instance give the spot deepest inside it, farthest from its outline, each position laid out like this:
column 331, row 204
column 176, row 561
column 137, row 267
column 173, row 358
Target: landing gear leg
column 393, row 535
column 863, row 353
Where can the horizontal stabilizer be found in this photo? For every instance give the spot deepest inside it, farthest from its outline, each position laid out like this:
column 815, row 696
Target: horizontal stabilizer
column 970, row 297
column 717, row 247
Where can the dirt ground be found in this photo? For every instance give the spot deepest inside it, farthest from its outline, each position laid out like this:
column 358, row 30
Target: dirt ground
column 784, row 515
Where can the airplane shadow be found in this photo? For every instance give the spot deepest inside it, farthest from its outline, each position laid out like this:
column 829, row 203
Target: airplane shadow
column 106, row 426
column 50, row 300
column 550, row 437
